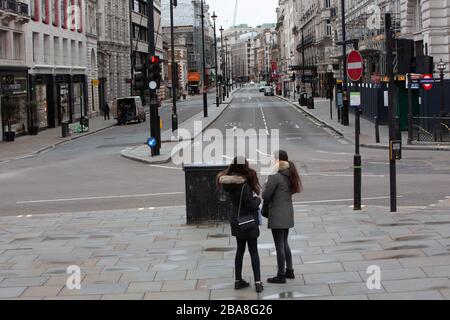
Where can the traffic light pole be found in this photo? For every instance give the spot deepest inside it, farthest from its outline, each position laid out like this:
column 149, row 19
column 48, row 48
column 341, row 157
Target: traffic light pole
column 205, row 93
column 345, row 107
column 392, row 109
column 174, row 72
column 155, row 126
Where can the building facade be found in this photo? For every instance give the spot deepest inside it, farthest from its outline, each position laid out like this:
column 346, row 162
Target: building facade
column 56, row 53
column 14, row 17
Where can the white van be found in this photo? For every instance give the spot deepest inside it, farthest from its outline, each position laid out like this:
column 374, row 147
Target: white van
column 130, row 109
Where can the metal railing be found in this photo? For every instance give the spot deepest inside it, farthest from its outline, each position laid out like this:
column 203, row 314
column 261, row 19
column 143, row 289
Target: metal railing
column 431, row 129
column 14, row 6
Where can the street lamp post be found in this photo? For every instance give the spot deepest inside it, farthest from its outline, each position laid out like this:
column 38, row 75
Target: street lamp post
column 345, row 107
column 174, row 72
column 441, row 67
column 205, row 93
column 214, row 17
column 224, row 64
column 227, row 66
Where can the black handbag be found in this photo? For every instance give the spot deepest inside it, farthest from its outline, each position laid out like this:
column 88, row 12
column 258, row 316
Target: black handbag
column 265, row 209
column 247, row 222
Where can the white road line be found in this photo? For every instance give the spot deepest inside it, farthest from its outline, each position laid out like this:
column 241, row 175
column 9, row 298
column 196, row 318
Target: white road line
column 264, row 119
column 329, row 160
column 264, row 154
column 164, row 167
column 342, row 200
column 337, row 153
column 343, row 142
column 101, row 198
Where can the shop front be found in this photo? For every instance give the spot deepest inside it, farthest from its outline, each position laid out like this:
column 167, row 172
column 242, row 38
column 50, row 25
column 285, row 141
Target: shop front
column 14, row 89
column 60, row 98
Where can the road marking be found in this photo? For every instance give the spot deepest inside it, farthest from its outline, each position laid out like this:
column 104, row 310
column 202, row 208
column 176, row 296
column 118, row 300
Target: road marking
column 329, row 160
column 264, row 118
column 342, row 200
column 164, row 167
column 264, row 154
column 343, row 142
column 101, row 198
column 337, row 153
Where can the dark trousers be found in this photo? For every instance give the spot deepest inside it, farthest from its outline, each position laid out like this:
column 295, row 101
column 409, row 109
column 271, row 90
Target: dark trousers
column 284, row 255
column 106, row 115
column 253, row 249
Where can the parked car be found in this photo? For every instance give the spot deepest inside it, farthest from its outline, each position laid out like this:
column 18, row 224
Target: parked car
column 262, row 85
column 269, row 91
column 130, row 109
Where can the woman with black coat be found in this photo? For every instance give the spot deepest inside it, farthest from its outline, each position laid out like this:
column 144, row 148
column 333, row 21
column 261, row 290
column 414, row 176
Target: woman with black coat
column 241, row 182
column 278, row 191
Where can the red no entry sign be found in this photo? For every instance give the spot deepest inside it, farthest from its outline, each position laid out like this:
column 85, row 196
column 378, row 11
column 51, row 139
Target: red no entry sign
column 427, row 86
column 354, row 65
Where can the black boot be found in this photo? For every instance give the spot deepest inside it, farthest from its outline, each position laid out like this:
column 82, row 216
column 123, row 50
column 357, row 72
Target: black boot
column 241, row 284
column 259, row 287
column 278, row 279
column 290, row 274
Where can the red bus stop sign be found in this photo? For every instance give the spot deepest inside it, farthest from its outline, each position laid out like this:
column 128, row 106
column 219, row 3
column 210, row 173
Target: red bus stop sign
column 354, row 66
column 427, row 86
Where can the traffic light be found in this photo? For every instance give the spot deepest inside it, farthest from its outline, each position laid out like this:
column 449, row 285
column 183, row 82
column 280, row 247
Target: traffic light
column 154, row 74
column 140, row 77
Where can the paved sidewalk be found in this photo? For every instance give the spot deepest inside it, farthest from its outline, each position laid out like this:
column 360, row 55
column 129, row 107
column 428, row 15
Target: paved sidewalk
column 321, row 113
column 150, row 253
column 28, row 146
column 170, row 140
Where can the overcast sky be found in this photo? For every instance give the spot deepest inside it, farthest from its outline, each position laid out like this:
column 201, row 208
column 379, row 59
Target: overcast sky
column 251, row 12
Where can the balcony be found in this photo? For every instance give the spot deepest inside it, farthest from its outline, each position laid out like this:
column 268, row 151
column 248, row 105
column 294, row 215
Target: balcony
column 14, row 10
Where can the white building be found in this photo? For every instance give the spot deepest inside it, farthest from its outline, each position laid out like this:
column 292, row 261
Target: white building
column 56, row 52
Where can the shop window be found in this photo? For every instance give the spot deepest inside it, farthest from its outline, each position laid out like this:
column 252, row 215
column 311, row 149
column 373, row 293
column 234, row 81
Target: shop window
column 3, row 37
column 78, row 100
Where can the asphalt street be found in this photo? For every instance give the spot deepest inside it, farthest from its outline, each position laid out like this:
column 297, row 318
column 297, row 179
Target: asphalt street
column 90, row 175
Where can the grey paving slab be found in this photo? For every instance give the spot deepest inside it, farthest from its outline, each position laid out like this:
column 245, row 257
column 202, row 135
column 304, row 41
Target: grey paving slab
column 11, row 292
column 340, row 298
column 80, row 297
column 183, row 295
column 445, row 293
column 96, row 289
column 285, row 292
column 231, row 294
column 329, row 278
column 313, row 268
column 397, row 274
column 143, row 287
column 171, row 275
column 180, row 285
column 437, row 271
column 121, row 297
column 23, row 282
column 349, row 289
column 209, row 273
column 416, row 284
column 42, row 291
column 363, row 265
column 416, row 295
column 426, row 261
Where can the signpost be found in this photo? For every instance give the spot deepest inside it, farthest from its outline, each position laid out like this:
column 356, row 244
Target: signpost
column 355, row 66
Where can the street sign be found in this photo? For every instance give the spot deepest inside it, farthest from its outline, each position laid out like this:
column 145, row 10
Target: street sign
column 355, row 99
column 151, row 142
column 427, row 86
column 354, row 66
column 153, row 85
column 414, row 83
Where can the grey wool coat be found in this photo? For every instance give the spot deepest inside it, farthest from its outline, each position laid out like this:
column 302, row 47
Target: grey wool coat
column 278, row 196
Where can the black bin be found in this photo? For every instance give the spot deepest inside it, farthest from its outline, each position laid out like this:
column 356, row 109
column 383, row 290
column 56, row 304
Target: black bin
column 205, row 204
column 303, row 99
column 310, row 102
column 65, row 129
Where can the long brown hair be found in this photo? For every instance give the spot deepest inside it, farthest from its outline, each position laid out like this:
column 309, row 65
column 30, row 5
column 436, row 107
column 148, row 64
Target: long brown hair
column 294, row 178
column 240, row 167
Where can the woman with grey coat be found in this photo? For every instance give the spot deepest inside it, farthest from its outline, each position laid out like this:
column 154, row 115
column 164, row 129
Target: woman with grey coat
column 278, row 191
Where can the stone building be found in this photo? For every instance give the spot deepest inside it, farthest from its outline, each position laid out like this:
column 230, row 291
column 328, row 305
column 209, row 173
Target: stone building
column 14, row 17
column 56, row 47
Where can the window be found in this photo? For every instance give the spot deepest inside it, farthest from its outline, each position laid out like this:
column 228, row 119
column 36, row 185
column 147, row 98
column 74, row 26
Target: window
column 3, row 37
column 34, row 9
column 47, row 55
column 55, row 13
column 36, row 47
column 418, row 16
column 63, row 16
column 57, row 51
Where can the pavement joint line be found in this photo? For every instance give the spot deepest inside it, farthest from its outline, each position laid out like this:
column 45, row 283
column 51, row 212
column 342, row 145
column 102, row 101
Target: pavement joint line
column 342, row 200
column 99, row 198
